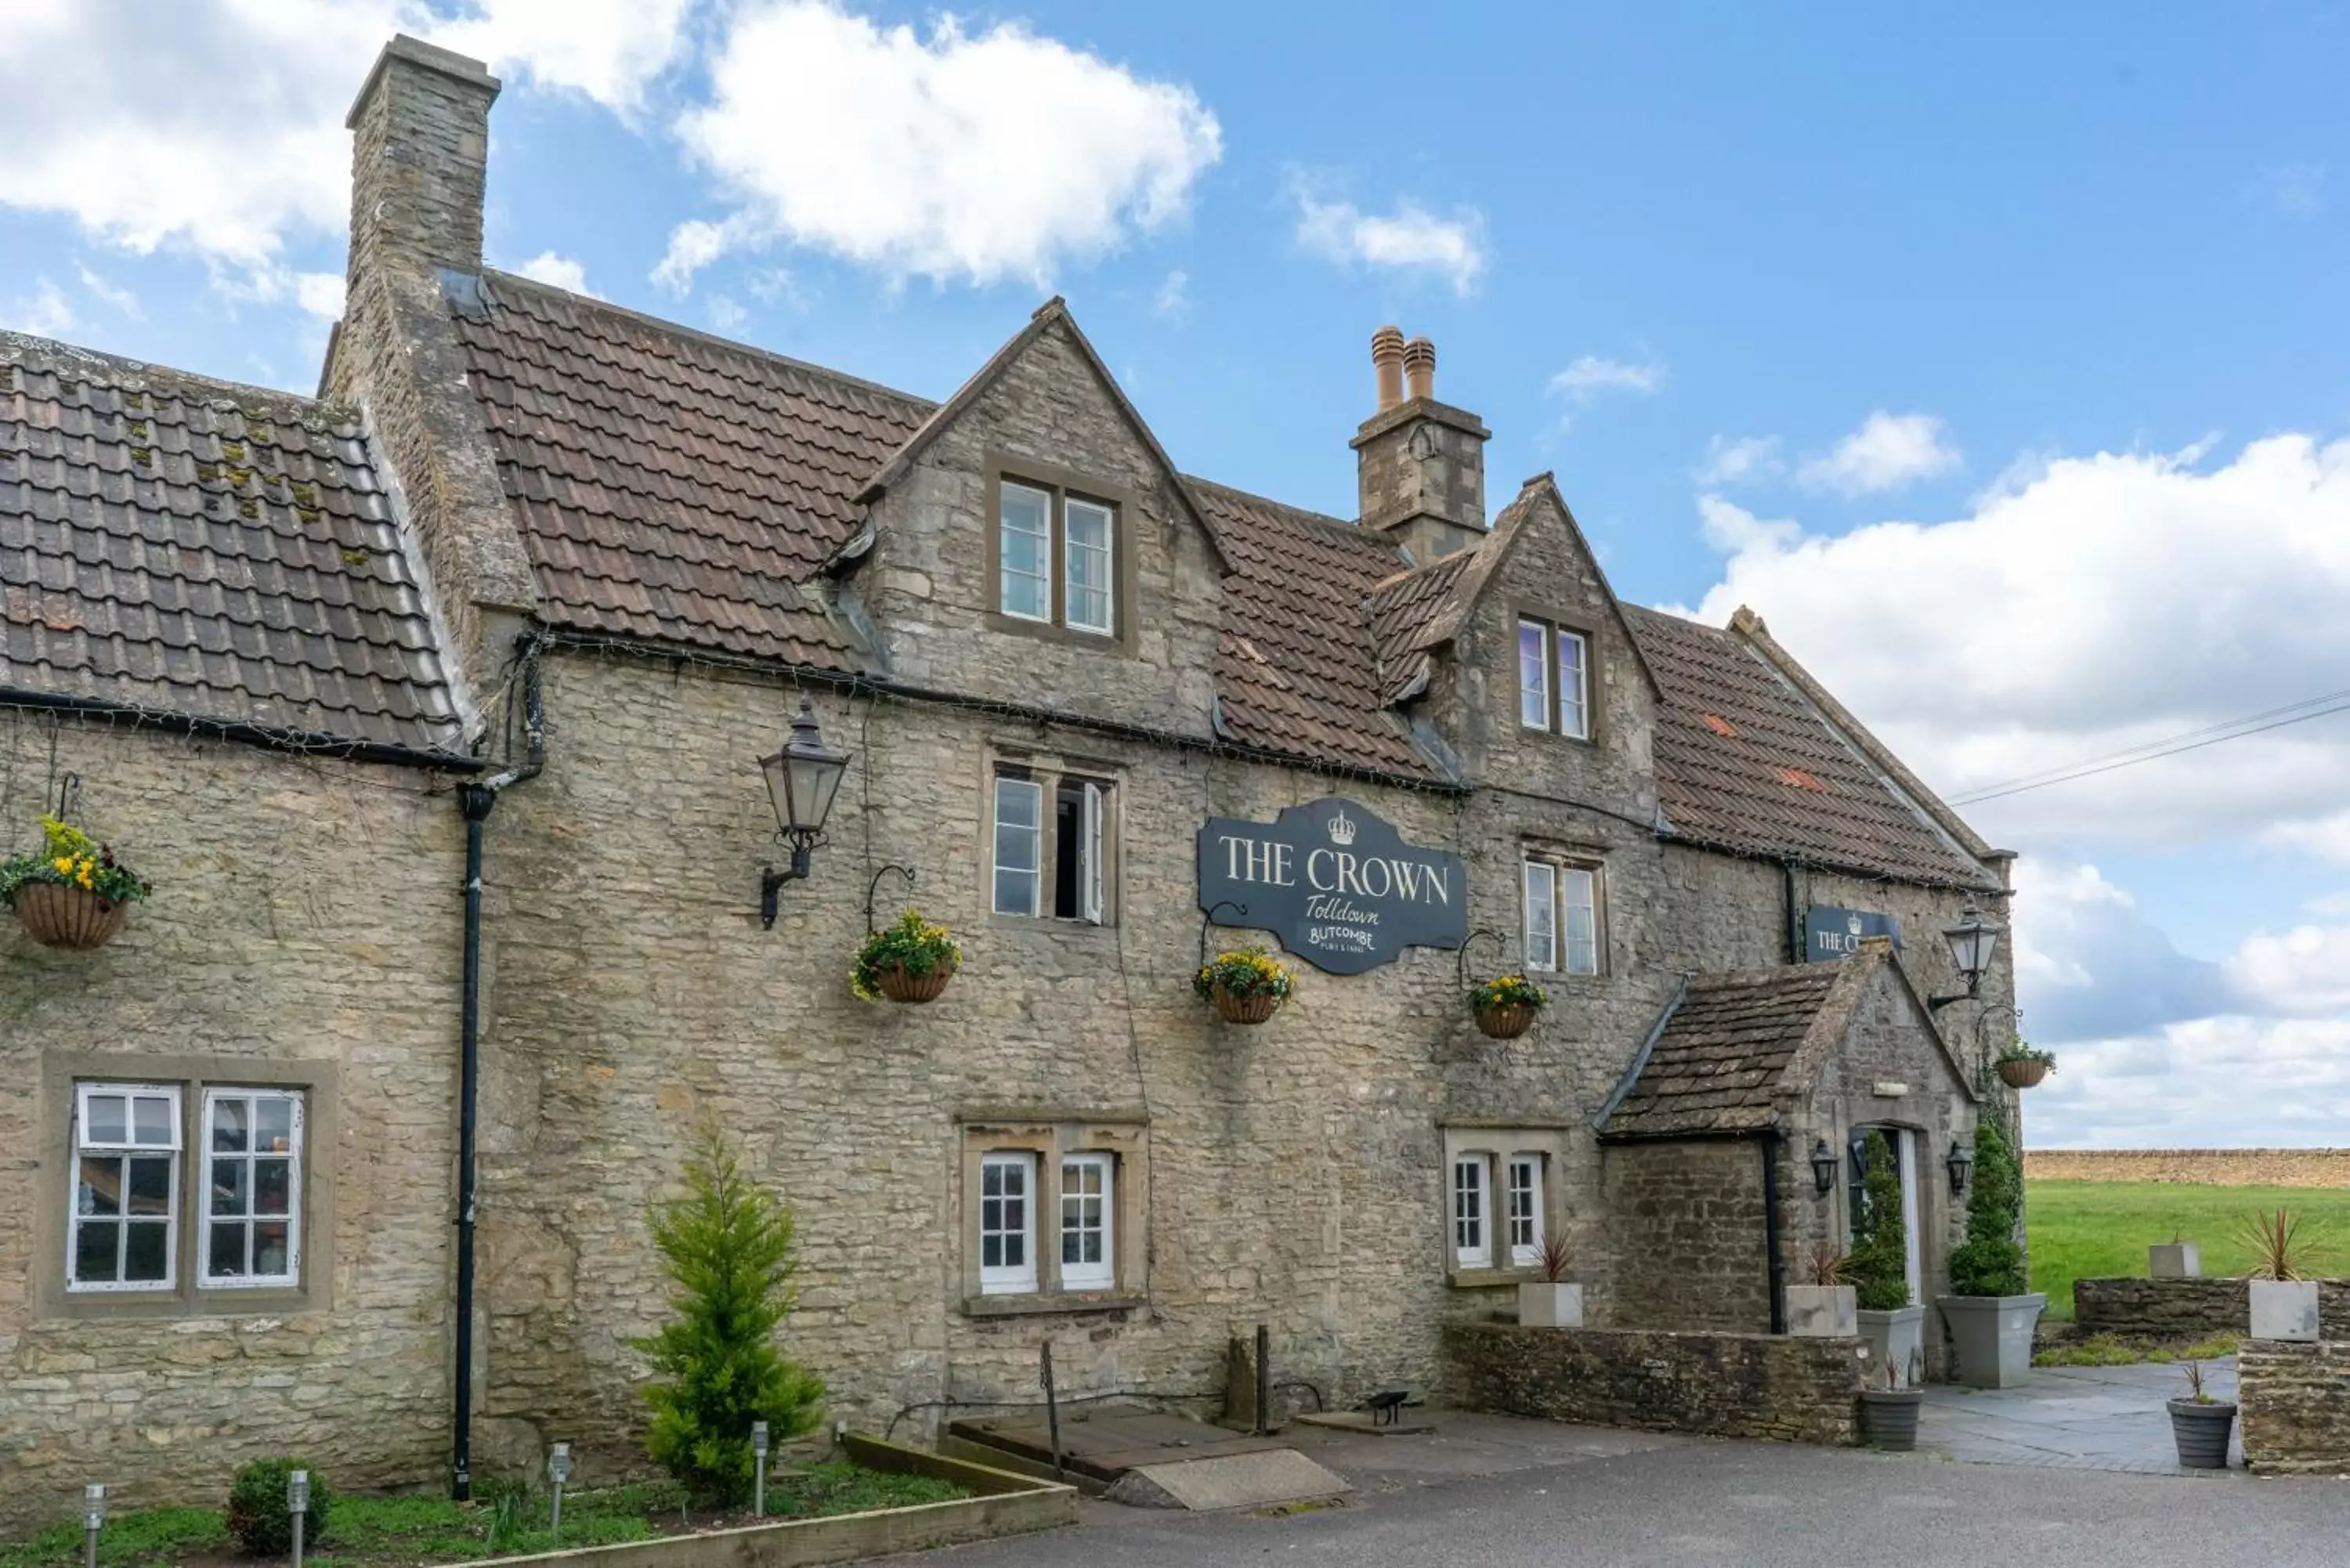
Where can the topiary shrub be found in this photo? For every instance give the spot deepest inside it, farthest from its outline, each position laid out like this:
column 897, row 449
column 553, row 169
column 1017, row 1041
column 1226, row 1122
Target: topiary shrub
column 1990, row 1262
column 726, row 1247
column 1878, row 1268
column 257, row 1515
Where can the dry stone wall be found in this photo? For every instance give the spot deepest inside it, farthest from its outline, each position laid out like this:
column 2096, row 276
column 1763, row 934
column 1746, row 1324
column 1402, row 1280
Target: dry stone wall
column 1718, row 1385
column 2294, row 1406
column 2189, row 1309
column 2199, row 1167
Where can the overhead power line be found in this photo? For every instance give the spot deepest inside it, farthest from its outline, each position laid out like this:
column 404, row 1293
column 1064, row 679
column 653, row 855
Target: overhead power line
column 2268, row 719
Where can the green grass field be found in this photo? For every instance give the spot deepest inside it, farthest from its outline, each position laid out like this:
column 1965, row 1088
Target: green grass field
column 2092, row 1229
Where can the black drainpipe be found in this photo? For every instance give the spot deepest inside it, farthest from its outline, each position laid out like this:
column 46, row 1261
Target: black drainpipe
column 475, row 799
column 1772, row 1248
column 1795, row 920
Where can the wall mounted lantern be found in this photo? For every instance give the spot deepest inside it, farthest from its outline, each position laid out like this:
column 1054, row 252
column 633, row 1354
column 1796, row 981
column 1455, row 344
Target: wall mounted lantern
column 1824, row 1167
column 802, row 779
column 1962, row 1164
column 1971, row 942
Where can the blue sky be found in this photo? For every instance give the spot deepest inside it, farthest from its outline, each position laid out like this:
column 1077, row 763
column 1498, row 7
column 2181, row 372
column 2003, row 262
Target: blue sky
column 1997, row 357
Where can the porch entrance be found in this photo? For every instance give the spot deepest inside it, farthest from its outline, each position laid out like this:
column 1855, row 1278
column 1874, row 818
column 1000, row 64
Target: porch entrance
column 1903, row 1143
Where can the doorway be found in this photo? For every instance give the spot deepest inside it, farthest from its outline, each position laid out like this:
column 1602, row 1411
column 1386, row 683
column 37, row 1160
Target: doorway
column 1902, row 1143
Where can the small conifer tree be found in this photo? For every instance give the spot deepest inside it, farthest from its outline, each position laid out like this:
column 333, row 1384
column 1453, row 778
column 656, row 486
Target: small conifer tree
column 1990, row 1262
column 726, row 1247
column 1878, row 1267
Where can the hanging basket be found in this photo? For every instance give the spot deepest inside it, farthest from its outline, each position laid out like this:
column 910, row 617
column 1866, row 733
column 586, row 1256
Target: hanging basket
column 2023, row 1073
column 1243, row 1009
column 898, row 985
column 75, row 919
column 1506, row 1022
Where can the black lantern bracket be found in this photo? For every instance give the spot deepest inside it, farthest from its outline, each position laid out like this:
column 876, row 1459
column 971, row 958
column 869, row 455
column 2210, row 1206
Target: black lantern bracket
column 1482, row 933
column 874, row 887
column 1824, row 1167
column 1960, row 1164
column 771, row 881
column 1208, row 919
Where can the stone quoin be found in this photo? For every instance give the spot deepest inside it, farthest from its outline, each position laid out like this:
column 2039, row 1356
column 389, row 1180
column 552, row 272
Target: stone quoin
column 538, row 580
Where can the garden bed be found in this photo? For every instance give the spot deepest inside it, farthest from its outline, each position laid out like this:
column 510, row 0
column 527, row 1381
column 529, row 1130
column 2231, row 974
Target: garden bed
column 882, row 1498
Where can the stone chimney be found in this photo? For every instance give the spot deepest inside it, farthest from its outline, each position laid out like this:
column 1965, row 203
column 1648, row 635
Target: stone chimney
column 421, row 147
column 1420, row 471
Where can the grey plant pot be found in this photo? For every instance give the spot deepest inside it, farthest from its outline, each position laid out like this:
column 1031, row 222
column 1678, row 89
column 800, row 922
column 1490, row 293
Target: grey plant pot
column 1895, row 1336
column 1822, row 1311
column 2202, row 1432
column 2174, row 1260
column 1993, row 1336
column 1889, row 1418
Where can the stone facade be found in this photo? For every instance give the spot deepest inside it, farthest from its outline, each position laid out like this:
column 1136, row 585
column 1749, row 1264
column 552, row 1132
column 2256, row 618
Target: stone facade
column 2294, row 1402
column 1294, row 1175
column 303, row 930
column 1717, row 1384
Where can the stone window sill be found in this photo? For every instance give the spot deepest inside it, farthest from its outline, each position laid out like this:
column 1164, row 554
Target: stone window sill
column 1486, row 1279
column 1032, row 1304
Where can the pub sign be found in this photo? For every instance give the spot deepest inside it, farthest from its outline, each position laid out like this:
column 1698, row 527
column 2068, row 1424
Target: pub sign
column 1336, row 882
column 1831, row 932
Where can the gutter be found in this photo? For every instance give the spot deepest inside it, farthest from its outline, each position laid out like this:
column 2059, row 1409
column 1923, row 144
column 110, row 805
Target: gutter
column 309, row 742
column 476, row 798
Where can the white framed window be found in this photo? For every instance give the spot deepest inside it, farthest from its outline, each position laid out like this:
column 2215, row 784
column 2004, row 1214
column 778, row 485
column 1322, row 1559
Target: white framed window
column 251, row 1218
column 1088, row 1221
column 1561, row 918
column 1008, row 1223
column 1542, row 915
column 1057, row 557
column 1533, row 675
column 1524, row 1189
column 1553, row 679
column 1025, row 551
column 1019, row 844
column 1473, row 1236
column 1574, row 684
column 1089, row 540
column 123, row 1232
column 1079, row 865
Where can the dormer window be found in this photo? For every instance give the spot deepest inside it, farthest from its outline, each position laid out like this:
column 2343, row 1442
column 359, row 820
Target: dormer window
column 1553, row 679
column 1057, row 556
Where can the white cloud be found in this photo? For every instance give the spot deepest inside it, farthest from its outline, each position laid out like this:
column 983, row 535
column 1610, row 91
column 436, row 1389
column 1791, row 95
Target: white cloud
column 1172, row 298
column 2114, row 600
column 1886, row 453
column 216, row 126
column 1740, row 461
column 982, row 156
column 776, row 285
column 1729, row 527
column 2302, row 972
column 1408, row 239
column 117, row 299
column 43, row 313
column 725, row 315
column 1589, row 375
column 320, row 294
column 2227, row 1081
column 559, row 272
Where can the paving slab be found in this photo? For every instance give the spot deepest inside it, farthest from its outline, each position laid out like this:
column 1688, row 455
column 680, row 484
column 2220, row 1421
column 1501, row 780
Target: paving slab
column 2071, row 1417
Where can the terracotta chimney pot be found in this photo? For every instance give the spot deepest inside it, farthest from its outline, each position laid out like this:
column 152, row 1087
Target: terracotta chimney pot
column 1387, row 360
column 1420, row 368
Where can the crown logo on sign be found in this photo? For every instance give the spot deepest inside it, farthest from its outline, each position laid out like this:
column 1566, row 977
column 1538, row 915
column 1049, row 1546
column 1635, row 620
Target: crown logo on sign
column 1852, row 924
column 1342, row 827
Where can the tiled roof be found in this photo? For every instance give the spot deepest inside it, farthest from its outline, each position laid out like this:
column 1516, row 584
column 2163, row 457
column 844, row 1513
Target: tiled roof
column 1403, row 608
column 669, row 486
column 1745, row 762
column 1297, row 671
column 1721, row 1057
column 220, row 552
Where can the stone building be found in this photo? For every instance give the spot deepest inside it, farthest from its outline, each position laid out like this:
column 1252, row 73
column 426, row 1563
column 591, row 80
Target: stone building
column 534, row 583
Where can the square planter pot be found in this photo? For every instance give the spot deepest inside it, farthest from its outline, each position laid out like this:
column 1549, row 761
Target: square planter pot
column 1993, row 1336
column 1542, row 1304
column 2178, row 1261
column 2284, row 1309
column 1822, row 1311
column 1898, row 1336
column 2200, row 1430
column 1889, row 1417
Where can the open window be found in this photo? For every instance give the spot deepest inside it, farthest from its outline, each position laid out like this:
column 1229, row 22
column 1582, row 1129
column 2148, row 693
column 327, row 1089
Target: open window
column 1053, row 843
